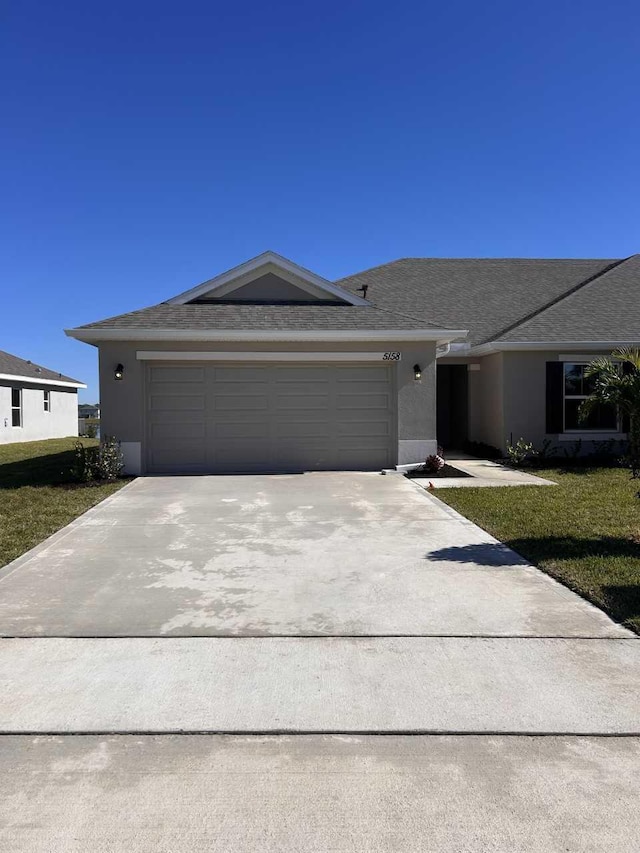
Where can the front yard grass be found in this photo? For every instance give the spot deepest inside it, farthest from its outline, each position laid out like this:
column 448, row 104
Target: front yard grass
column 38, row 495
column 585, row 531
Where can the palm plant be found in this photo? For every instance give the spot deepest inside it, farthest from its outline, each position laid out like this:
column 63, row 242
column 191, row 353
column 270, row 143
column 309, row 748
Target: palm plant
column 617, row 387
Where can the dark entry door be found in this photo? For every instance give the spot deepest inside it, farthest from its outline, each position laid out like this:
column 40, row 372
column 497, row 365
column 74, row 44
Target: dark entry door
column 452, row 406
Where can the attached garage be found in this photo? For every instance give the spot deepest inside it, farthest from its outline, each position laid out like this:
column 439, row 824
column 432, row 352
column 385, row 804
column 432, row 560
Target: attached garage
column 217, row 417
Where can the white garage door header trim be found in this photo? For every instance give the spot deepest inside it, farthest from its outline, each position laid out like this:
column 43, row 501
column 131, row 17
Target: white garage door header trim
column 164, row 355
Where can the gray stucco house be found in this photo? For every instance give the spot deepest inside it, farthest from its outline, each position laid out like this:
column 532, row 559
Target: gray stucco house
column 35, row 402
column 271, row 367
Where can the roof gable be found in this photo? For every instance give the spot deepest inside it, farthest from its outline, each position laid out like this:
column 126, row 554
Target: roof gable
column 267, row 273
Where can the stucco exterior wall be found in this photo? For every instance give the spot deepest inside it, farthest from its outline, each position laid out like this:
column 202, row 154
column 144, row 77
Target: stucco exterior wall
column 486, row 402
column 122, row 402
column 59, row 422
column 524, row 377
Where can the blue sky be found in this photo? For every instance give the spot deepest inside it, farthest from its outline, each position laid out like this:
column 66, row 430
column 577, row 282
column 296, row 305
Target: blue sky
column 148, row 146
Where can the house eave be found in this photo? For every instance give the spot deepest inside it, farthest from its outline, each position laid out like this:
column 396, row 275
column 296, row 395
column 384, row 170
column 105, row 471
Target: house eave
column 538, row 346
column 36, row 380
column 436, row 335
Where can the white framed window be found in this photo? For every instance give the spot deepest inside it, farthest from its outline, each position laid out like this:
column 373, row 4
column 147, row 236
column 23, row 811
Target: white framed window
column 16, row 407
column 46, row 402
column 576, row 388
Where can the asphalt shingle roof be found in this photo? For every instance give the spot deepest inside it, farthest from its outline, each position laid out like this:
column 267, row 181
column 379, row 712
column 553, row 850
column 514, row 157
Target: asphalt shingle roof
column 605, row 309
column 274, row 317
column 510, row 299
column 484, row 295
column 14, row 366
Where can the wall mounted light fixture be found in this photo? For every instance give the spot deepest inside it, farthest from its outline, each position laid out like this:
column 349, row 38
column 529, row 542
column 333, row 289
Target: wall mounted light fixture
column 417, row 372
column 118, row 373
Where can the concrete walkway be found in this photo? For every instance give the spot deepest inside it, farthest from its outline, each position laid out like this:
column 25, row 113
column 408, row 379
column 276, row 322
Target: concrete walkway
column 403, row 650
column 483, row 473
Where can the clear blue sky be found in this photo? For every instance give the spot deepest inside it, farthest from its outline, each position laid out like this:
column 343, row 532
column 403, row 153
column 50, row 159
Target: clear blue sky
column 148, row 146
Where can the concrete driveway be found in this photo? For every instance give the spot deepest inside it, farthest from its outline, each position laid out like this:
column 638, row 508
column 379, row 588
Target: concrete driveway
column 296, row 664
column 314, row 554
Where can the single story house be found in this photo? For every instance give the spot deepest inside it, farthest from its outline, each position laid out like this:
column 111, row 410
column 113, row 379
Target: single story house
column 269, row 366
column 35, row 402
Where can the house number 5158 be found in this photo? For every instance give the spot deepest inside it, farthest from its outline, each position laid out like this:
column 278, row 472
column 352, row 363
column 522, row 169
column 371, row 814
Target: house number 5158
column 391, row 356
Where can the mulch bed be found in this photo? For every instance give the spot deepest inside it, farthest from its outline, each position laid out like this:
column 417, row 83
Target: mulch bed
column 447, row 471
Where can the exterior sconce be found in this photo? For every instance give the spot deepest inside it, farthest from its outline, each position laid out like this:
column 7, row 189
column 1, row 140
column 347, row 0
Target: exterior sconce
column 118, row 373
column 417, row 372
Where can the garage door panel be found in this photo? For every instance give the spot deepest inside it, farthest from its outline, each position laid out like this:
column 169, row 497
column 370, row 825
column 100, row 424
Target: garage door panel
column 235, row 375
column 305, row 430
column 241, row 429
column 161, row 416
column 355, row 387
column 237, row 389
column 292, row 389
column 177, row 431
column 270, row 417
column 300, row 402
column 367, row 428
column 177, row 374
column 180, row 452
column 258, row 402
column 177, row 402
column 364, row 374
column 363, row 401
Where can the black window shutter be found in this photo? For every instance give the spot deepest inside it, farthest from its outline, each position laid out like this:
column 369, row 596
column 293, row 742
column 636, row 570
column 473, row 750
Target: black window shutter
column 626, row 421
column 555, row 396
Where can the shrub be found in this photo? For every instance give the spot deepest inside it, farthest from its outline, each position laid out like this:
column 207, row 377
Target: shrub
column 84, row 462
column 573, row 450
column 110, row 461
column 433, row 464
column 546, row 451
column 520, row 452
column 98, row 463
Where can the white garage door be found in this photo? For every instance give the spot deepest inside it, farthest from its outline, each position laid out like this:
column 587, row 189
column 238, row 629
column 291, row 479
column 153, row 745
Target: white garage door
column 206, row 417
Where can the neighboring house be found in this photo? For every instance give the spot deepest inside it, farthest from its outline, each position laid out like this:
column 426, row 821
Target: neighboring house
column 271, row 367
column 88, row 410
column 35, row 402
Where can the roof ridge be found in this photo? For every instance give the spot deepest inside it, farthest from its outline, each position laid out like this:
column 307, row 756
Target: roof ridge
column 535, row 313
column 407, row 316
column 370, row 269
column 475, row 260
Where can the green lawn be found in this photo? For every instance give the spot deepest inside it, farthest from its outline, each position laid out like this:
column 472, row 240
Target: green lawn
column 585, row 532
column 37, row 495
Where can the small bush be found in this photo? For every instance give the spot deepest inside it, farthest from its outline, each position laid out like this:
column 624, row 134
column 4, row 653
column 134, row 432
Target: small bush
column 520, row 452
column 433, row 464
column 573, row 450
column 84, row 462
column 104, row 462
column 110, row 461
